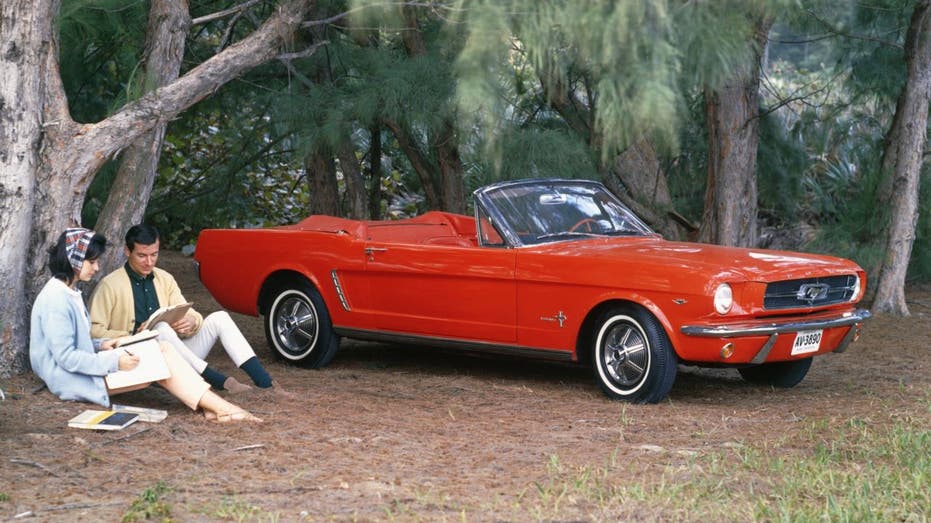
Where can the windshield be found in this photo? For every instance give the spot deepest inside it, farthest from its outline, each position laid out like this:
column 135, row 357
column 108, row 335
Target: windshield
column 541, row 211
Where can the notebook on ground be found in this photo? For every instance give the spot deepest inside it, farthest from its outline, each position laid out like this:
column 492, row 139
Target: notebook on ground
column 103, row 420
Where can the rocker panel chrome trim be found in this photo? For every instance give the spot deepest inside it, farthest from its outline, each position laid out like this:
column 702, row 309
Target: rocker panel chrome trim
column 449, row 343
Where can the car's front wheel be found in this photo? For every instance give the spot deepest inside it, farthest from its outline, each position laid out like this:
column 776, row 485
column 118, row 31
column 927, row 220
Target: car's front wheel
column 783, row 374
column 298, row 327
column 633, row 358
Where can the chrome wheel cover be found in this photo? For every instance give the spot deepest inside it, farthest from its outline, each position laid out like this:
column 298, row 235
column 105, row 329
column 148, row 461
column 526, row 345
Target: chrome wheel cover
column 625, row 354
column 296, row 326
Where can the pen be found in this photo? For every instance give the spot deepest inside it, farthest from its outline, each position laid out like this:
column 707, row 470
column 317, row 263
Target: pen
column 127, row 351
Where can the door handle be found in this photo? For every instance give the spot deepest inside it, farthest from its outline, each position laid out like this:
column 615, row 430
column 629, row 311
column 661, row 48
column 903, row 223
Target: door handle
column 370, row 251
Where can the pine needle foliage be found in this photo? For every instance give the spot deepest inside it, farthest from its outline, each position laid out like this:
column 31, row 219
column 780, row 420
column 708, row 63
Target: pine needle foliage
column 101, row 44
column 540, row 153
column 637, row 55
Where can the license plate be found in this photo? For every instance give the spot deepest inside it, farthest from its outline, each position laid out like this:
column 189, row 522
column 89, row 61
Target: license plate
column 807, row 341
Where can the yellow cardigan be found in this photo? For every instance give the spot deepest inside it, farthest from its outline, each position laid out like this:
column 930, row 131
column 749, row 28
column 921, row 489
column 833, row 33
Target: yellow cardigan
column 112, row 308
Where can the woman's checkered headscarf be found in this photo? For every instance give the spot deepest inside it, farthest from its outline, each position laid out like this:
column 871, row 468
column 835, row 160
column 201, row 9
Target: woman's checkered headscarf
column 76, row 242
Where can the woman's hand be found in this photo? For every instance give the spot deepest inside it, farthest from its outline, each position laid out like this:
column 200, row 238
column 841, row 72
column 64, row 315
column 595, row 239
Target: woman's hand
column 108, row 344
column 128, row 361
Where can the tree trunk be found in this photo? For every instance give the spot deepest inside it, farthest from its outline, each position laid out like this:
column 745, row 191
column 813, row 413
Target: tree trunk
column 639, row 170
column 375, row 171
column 449, row 164
column 902, row 160
column 634, row 175
column 447, row 150
column 48, row 166
column 733, row 138
column 419, row 161
column 321, row 182
column 355, row 184
column 25, row 33
column 169, row 21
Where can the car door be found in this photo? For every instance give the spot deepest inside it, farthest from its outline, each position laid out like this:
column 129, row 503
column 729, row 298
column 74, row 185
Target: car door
column 456, row 292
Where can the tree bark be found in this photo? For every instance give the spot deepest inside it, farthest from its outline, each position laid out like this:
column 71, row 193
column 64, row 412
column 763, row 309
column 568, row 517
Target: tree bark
column 25, row 38
column 167, row 29
column 419, row 161
column 375, row 171
column 355, row 183
column 634, row 175
column 733, row 138
column 639, row 170
column 902, row 160
column 321, row 182
column 450, row 165
column 448, row 162
column 48, row 166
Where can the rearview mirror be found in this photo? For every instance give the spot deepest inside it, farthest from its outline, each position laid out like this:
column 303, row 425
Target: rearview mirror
column 552, row 199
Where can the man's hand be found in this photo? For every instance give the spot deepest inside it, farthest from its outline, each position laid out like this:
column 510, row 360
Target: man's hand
column 185, row 325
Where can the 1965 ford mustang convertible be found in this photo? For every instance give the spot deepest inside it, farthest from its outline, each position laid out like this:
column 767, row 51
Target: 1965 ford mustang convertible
column 556, row 269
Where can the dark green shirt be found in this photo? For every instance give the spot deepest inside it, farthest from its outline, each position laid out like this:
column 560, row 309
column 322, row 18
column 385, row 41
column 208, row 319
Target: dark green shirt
column 145, row 300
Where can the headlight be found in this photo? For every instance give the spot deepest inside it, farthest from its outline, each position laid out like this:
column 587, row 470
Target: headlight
column 723, row 298
column 856, row 288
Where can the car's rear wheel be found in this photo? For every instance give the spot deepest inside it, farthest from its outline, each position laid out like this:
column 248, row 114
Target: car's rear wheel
column 633, row 358
column 298, row 327
column 783, row 374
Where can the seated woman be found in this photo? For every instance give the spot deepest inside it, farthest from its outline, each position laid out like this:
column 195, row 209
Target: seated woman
column 72, row 365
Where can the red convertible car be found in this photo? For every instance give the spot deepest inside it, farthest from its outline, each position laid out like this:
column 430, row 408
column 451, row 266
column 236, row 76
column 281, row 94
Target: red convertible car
column 556, row 269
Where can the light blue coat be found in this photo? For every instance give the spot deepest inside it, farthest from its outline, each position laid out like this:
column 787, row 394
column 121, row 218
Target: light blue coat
column 61, row 350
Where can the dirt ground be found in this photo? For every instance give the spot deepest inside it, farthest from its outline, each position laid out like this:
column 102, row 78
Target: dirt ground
column 391, row 432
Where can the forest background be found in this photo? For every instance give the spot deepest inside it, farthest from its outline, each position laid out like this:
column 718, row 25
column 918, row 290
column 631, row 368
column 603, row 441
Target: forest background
column 770, row 123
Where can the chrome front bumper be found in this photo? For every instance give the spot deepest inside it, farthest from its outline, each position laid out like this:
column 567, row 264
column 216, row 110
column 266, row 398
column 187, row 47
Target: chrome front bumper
column 734, row 331
column 773, row 330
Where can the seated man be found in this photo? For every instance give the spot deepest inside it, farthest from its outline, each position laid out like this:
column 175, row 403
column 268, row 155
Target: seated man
column 126, row 297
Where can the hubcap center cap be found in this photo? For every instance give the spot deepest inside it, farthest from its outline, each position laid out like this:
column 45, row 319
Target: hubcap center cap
column 620, row 356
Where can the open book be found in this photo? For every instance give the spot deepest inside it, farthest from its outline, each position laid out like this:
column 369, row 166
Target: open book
column 169, row 315
column 103, row 420
column 152, row 366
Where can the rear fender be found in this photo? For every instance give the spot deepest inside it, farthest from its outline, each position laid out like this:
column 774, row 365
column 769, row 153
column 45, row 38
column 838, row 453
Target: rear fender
column 282, row 278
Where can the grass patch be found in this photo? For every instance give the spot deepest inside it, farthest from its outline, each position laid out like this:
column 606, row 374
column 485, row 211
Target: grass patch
column 425, row 504
column 236, row 509
column 857, row 471
column 862, row 474
column 4, row 497
column 149, row 505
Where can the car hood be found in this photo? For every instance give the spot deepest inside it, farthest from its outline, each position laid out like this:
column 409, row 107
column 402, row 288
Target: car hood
column 714, row 261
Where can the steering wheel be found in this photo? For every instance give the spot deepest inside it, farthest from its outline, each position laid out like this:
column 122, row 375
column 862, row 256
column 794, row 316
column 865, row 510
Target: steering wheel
column 588, row 223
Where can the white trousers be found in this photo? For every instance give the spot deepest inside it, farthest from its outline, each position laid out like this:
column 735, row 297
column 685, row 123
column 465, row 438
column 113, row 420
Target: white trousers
column 216, row 326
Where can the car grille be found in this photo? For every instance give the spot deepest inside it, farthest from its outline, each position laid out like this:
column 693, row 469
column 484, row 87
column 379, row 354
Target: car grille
column 809, row 292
